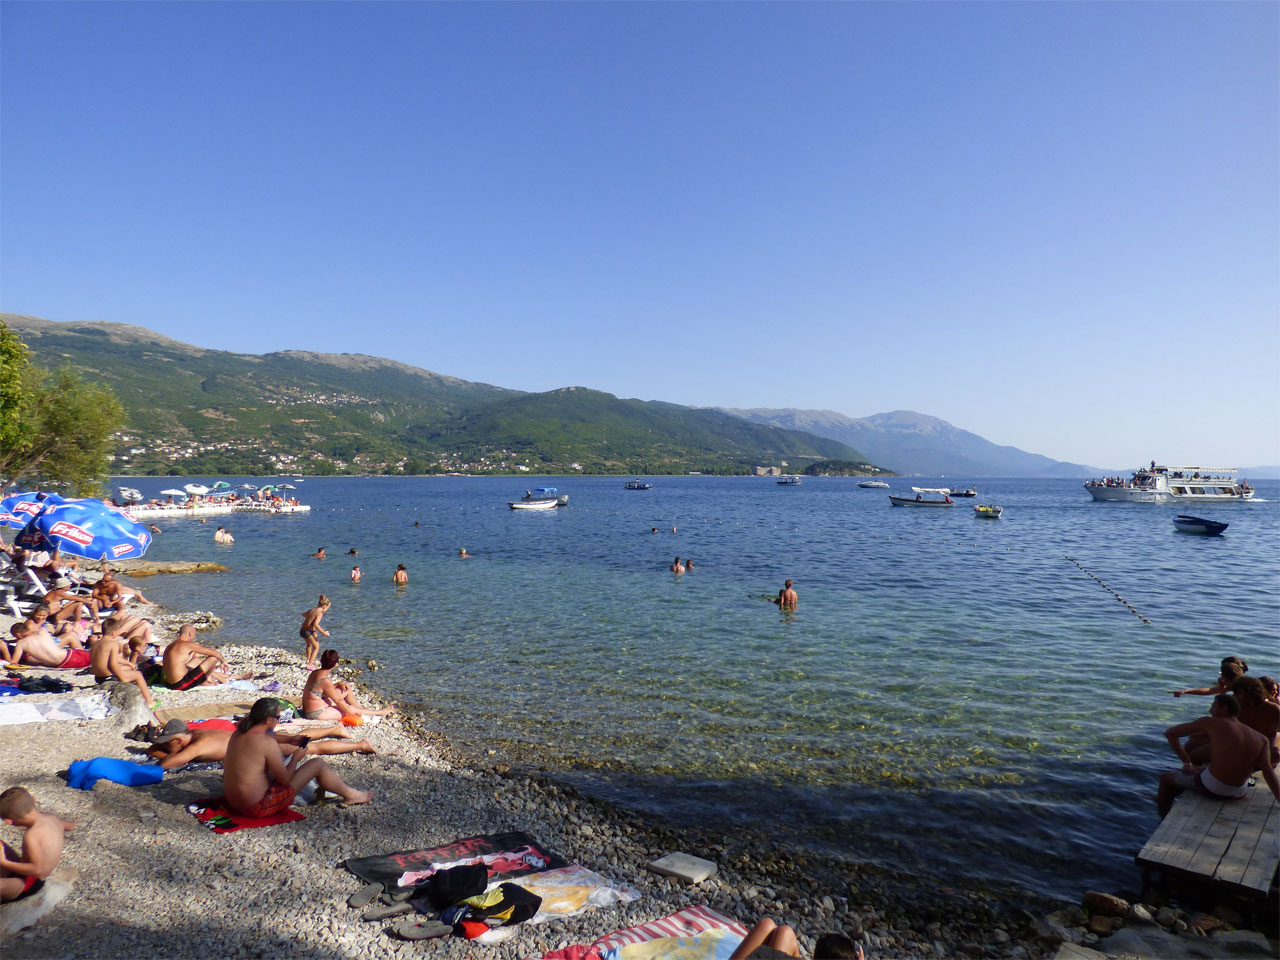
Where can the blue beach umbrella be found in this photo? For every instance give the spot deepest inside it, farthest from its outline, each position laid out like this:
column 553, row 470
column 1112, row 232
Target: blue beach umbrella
column 86, row 528
column 17, row 509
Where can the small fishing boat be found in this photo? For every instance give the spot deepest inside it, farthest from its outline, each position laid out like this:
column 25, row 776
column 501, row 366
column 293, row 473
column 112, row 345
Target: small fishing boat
column 541, row 498
column 873, row 484
column 1209, row 528
column 788, row 480
column 128, row 495
column 919, row 500
column 988, row 511
column 962, row 492
column 638, row 484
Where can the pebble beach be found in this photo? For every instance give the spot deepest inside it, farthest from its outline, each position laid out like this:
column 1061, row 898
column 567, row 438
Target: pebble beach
column 151, row 881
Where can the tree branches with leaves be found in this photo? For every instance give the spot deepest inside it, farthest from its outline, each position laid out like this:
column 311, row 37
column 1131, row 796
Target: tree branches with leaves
column 54, row 426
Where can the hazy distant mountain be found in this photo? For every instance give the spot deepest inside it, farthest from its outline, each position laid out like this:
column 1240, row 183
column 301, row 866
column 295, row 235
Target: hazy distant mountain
column 917, row 443
column 212, row 411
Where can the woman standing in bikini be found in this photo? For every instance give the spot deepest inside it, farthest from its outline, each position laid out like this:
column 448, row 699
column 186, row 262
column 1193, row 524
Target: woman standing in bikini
column 325, row 699
column 311, row 629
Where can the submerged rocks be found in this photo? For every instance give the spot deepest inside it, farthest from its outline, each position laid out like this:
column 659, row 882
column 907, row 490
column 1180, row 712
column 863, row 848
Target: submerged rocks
column 149, row 568
column 1105, row 904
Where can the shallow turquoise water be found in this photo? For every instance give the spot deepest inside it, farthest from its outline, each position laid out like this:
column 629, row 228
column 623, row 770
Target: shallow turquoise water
column 953, row 697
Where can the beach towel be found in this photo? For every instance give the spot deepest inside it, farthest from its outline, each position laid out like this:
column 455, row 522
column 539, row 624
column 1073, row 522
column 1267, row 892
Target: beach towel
column 204, row 711
column 505, row 855
column 96, row 706
column 216, row 723
column 567, row 892
column 694, row 933
column 83, row 774
column 214, row 813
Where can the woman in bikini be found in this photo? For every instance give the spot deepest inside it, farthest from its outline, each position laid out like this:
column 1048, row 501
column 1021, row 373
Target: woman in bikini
column 311, row 629
column 325, row 699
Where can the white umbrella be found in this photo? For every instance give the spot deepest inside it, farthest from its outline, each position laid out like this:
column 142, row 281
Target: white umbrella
column 196, row 489
column 171, row 492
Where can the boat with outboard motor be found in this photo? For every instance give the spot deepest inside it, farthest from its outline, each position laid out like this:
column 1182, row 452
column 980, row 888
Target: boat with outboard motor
column 541, row 498
column 988, row 511
column 638, row 484
column 1189, row 524
column 919, row 500
column 962, row 492
column 1157, row 484
column 873, row 484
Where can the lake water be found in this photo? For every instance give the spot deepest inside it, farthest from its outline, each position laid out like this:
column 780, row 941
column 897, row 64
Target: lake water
column 953, row 697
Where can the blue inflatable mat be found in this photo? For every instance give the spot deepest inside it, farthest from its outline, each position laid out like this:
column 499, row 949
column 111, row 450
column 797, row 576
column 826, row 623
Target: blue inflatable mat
column 83, row 774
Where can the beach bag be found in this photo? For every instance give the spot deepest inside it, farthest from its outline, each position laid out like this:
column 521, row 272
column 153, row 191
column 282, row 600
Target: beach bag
column 505, row 905
column 43, row 685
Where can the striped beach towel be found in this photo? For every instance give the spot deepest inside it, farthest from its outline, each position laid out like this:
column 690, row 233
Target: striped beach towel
column 694, row 932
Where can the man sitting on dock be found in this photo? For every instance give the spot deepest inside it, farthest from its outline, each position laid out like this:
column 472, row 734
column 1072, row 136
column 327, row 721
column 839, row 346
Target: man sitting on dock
column 1236, row 752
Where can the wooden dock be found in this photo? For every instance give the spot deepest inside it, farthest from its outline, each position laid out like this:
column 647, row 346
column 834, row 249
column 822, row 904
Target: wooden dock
column 1234, row 844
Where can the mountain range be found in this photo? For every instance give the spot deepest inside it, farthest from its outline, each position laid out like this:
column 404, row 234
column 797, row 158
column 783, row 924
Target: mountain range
column 917, row 443
column 200, row 411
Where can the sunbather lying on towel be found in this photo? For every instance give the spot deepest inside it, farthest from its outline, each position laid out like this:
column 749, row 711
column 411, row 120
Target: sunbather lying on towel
column 110, row 662
column 187, row 664
column 255, row 777
column 179, row 745
column 37, row 648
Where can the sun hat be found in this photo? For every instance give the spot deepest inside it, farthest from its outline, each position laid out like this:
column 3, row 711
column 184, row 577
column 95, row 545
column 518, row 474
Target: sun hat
column 62, row 582
column 173, row 728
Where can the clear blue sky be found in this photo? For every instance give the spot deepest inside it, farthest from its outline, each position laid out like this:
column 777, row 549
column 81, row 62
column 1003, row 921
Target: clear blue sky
column 1056, row 225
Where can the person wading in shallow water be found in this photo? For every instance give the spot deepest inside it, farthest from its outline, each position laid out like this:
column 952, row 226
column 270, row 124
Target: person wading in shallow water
column 311, row 629
column 401, row 576
column 787, row 597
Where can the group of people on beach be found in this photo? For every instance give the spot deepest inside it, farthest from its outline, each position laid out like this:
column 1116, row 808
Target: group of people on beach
column 1222, row 752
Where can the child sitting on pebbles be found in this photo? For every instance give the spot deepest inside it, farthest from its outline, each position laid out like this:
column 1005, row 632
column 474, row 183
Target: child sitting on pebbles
column 23, row 876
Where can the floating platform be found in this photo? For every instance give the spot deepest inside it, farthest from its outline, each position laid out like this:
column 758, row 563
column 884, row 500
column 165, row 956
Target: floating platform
column 176, row 511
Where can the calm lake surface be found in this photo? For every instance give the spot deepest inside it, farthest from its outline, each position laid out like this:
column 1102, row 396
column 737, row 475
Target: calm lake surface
column 952, row 698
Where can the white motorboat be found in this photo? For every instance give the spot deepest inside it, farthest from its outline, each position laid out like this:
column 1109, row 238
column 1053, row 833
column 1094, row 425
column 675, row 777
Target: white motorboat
column 1158, row 484
column 543, row 498
column 1208, row 528
column 873, row 484
column 919, row 500
column 788, row 480
column 964, row 492
column 639, row 484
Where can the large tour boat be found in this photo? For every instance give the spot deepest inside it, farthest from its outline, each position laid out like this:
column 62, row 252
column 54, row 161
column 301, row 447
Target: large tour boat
column 1156, row 484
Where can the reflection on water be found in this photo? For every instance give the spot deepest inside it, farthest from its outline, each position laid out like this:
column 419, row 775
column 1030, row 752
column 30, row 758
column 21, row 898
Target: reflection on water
column 952, row 695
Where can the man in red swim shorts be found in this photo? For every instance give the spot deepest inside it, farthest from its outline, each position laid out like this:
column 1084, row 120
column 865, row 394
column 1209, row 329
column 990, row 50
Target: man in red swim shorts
column 255, row 777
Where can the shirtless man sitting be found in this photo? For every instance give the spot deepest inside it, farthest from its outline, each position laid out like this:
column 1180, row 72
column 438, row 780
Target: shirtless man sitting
column 109, row 592
column 1259, row 713
column 134, row 630
column 37, row 648
column 187, row 664
column 110, row 663
column 1236, row 752
column 255, row 777
column 65, row 605
column 179, row 745
column 23, row 875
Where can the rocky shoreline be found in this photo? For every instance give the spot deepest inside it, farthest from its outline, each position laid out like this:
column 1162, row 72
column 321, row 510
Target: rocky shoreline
column 152, row 881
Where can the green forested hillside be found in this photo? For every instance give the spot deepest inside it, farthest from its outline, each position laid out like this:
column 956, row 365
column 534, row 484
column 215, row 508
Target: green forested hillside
column 197, row 411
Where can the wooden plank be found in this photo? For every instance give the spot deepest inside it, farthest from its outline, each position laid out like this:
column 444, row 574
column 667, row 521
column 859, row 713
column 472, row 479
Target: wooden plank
column 1214, row 844
column 1181, row 827
column 1197, row 823
column 1249, row 834
column 1266, row 855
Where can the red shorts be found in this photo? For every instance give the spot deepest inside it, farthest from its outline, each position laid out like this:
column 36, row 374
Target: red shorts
column 76, row 659
column 277, row 798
